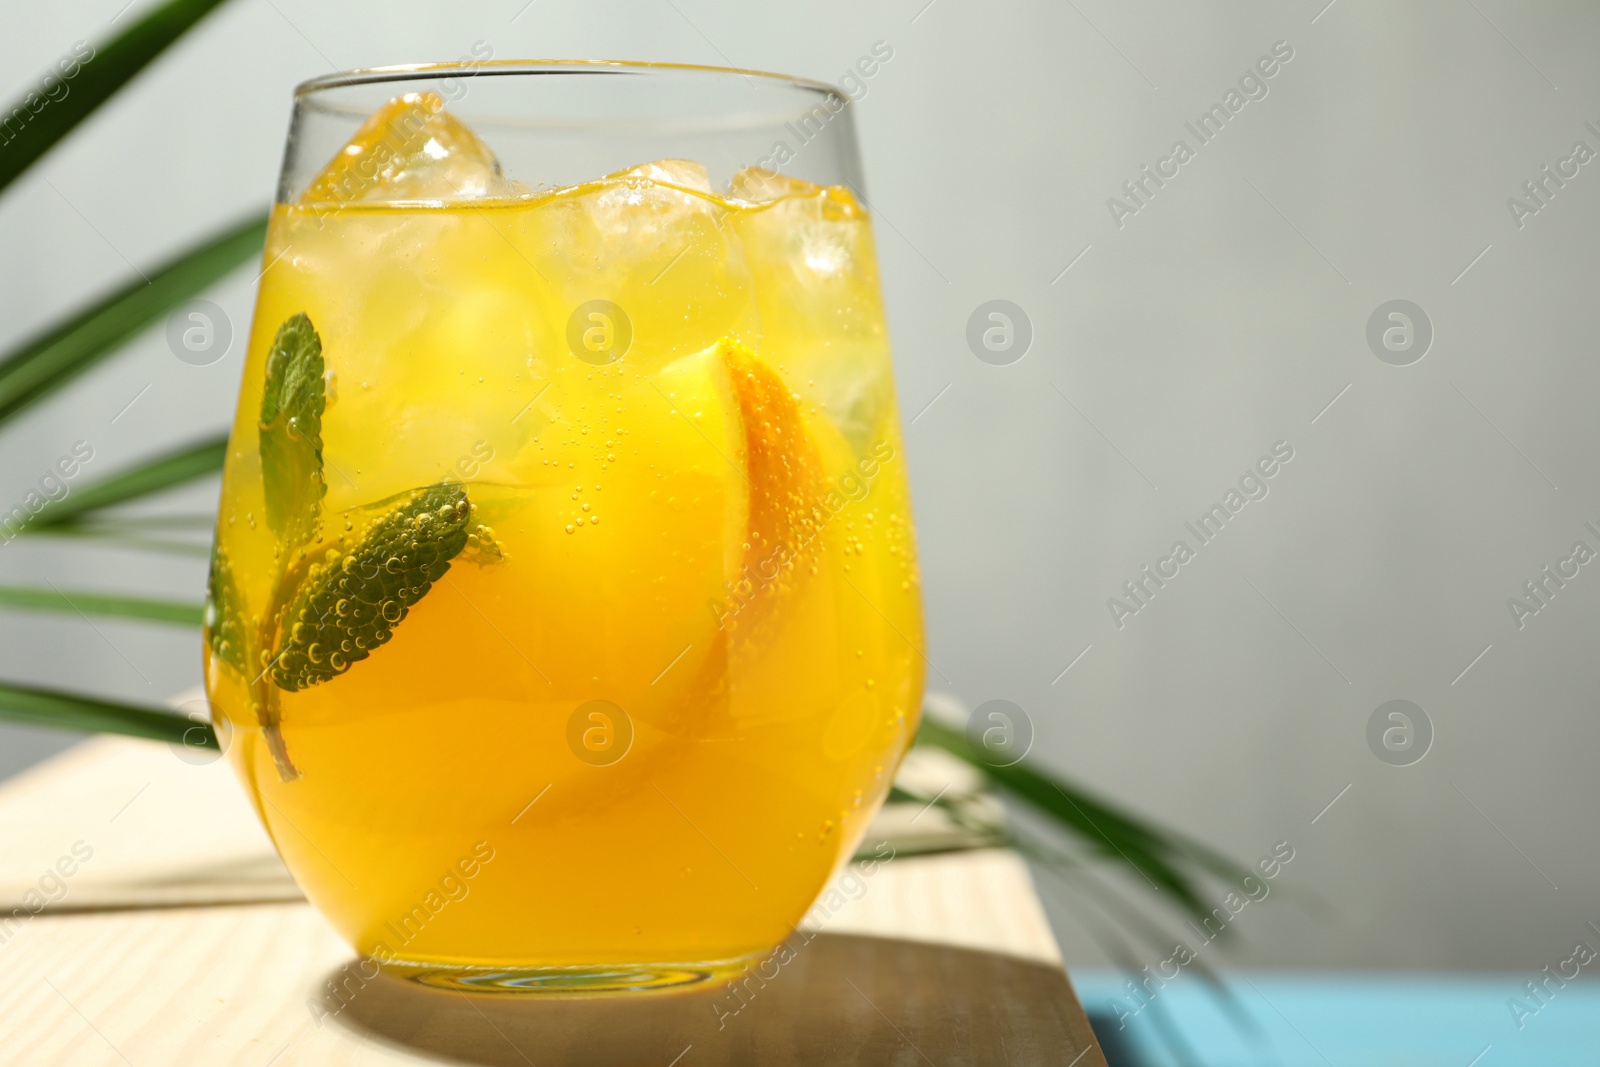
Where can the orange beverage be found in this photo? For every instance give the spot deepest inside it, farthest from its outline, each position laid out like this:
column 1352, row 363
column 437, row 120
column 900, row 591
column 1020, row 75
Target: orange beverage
column 565, row 604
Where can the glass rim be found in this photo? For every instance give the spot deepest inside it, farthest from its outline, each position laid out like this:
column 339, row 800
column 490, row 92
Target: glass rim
column 402, row 72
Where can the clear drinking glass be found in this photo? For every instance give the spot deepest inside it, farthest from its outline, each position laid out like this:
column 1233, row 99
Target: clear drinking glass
column 565, row 606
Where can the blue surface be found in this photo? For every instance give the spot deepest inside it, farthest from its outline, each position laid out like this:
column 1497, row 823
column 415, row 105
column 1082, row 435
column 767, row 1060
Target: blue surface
column 1347, row 1020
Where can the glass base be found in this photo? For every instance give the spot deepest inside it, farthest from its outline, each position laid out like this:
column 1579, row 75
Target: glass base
column 598, row 980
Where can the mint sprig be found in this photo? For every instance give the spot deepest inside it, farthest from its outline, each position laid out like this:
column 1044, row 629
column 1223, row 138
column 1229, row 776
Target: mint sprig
column 349, row 603
column 329, row 607
column 224, row 612
column 293, row 398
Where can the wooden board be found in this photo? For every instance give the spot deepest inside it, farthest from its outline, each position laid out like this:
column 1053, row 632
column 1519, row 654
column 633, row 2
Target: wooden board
column 942, row 959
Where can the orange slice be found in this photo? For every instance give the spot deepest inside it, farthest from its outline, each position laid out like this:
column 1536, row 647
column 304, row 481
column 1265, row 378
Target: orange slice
column 786, row 483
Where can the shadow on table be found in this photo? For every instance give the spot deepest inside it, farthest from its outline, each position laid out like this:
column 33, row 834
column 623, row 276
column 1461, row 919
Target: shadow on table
column 838, row 1000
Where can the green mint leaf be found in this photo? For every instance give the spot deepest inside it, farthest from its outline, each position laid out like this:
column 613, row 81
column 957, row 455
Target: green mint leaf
column 349, row 603
column 224, row 628
column 292, row 401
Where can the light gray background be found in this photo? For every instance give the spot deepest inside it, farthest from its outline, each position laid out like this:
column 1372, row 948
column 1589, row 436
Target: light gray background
column 1222, row 318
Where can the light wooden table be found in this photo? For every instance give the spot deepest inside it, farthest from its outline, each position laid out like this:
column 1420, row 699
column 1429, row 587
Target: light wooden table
column 178, row 938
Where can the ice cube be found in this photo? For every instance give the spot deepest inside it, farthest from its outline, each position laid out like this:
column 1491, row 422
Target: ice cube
column 411, row 150
column 683, row 173
column 658, row 206
column 661, row 226
column 651, row 239
column 758, row 185
column 810, row 252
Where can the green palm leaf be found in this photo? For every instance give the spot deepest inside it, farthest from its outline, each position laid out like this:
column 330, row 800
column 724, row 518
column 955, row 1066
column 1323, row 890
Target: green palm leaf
column 35, row 129
column 68, row 711
column 1167, row 860
column 72, row 346
column 183, row 464
column 118, row 535
column 28, row 598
